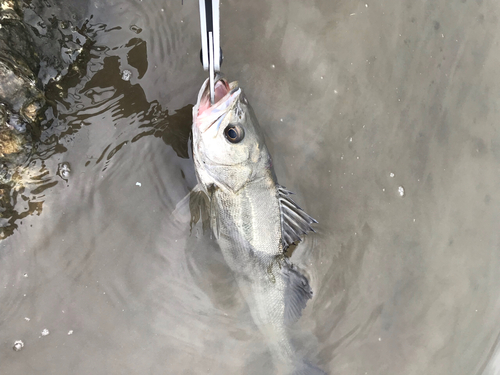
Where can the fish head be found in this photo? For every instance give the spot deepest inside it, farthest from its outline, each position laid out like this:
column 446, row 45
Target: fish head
column 228, row 146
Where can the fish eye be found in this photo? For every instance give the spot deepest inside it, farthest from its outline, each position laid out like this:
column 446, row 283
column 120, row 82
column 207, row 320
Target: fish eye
column 234, row 133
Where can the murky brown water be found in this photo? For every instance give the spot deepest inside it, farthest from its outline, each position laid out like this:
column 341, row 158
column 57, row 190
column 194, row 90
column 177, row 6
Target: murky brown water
column 357, row 99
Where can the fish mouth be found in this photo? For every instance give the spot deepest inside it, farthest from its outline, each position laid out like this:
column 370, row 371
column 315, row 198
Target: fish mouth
column 221, row 90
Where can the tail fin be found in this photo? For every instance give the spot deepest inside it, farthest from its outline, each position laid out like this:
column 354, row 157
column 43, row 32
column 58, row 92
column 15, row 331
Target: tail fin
column 306, row 368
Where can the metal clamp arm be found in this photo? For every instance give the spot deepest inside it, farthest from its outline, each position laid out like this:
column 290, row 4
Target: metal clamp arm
column 211, row 55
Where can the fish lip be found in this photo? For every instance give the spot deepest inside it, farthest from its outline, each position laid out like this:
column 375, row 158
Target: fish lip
column 204, row 109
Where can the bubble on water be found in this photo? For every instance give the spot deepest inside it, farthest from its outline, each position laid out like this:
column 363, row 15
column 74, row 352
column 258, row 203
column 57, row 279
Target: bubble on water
column 70, row 332
column 18, row 345
column 63, row 170
column 391, row 174
column 45, row 332
column 126, row 74
column 135, row 29
column 401, row 191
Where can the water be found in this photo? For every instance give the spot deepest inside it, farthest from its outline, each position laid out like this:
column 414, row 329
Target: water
column 355, row 102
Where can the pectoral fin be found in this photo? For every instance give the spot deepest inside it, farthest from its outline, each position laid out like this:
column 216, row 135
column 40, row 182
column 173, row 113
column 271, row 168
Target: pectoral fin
column 297, row 292
column 196, row 206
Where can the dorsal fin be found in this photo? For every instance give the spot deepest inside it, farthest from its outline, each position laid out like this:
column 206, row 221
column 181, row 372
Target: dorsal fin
column 295, row 223
column 297, row 292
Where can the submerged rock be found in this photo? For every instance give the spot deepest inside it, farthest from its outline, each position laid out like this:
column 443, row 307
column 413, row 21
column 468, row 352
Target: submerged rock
column 22, row 101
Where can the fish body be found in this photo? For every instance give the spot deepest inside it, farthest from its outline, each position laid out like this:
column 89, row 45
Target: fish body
column 251, row 215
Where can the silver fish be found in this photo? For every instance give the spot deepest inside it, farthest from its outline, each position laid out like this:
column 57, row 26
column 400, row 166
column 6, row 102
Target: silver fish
column 252, row 217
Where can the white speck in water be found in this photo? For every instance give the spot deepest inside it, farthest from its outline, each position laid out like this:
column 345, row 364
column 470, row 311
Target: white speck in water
column 126, row 74
column 366, row 5
column 273, row 66
column 70, row 332
column 413, row 220
column 27, row 319
column 25, row 275
column 352, row 14
column 380, row 339
column 281, row 119
column 342, row 157
column 350, row 139
column 357, row 157
column 383, row 189
column 162, row 9
column 138, row 184
column 401, row 191
column 391, row 174
column 18, row 345
column 335, row 92
column 321, row 77
column 45, row 332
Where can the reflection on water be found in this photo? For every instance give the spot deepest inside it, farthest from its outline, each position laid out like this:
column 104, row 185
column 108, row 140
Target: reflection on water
column 361, row 105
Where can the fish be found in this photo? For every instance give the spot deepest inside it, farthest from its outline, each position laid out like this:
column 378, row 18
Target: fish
column 252, row 217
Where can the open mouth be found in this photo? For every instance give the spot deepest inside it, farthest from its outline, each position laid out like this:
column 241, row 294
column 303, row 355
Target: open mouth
column 221, row 89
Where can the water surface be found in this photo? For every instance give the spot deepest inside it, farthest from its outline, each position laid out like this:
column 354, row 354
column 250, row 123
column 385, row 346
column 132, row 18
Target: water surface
column 357, row 100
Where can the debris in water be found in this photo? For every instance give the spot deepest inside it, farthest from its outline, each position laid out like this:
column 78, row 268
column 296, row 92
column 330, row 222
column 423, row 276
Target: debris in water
column 27, row 319
column 391, row 174
column 138, row 184
column 18, row 345
column 401, row 191
column 45, row 332
column 126, row 75
column 70, row 332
